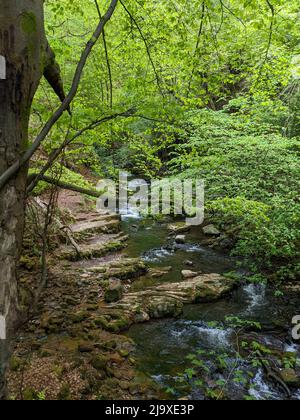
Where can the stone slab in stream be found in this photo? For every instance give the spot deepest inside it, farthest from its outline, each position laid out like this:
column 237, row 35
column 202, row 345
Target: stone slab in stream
column 94, row 249
column 122, row 269
column 104, row 224
column 167, row 300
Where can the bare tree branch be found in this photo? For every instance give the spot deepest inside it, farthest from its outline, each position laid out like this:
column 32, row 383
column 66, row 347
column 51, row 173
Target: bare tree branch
column 272, row 8
column 106, row 57
column 56, row 153
column 197, row 47
column 13, row 170
column 146, row 45
column 232, row 13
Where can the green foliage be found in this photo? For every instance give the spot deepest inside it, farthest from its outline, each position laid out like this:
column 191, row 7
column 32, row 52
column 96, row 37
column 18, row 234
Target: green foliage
column 216, row 89
column 62, row 174
column 252, row 176
column 238, row 323
column 163, row 59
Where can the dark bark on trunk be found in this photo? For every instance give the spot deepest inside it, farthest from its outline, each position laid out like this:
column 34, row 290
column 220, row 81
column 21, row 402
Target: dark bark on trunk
column 22, row 44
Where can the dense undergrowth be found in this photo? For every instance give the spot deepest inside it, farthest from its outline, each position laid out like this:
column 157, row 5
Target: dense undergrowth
column 252, row 177
column 251, row 170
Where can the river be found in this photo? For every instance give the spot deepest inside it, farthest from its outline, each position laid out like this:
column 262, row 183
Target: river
column 163, row 347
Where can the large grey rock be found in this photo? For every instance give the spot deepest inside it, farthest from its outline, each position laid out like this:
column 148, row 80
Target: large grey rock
column 159, row 272
column 167, row 299
column 178, row 228
column 180, row 239
column 188, row 274
column 164, row 307
column 211, row 230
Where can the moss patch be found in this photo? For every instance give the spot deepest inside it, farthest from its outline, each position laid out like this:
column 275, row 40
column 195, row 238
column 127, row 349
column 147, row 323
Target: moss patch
column 28, row 23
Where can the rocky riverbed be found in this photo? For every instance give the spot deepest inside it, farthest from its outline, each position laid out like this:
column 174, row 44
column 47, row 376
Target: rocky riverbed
column 143, row 276
column 238, row 346
column 72, row 348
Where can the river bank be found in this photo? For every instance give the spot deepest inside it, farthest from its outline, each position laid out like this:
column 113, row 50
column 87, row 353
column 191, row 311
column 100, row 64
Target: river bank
column 76, row 345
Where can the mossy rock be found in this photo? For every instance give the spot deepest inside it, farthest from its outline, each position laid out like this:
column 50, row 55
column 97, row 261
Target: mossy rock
column 114, row 292
column 108, row 345
column 164, row 307
column 124, row 352
column 15, row 364
column 79, row 317
column 99, row 362
column 101, row 321
column 85, row 347
column 119, row 325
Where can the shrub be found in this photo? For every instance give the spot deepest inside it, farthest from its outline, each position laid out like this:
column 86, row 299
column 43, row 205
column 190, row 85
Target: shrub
column 252, row 176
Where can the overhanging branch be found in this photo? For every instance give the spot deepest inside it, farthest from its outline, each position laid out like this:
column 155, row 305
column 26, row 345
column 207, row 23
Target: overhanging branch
column 64, row 185
column 56, row 153
column 106, row 58
column 13, row 170
column 146, row 45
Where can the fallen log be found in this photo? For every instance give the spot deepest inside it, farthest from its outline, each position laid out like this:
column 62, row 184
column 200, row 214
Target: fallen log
column 64, row 185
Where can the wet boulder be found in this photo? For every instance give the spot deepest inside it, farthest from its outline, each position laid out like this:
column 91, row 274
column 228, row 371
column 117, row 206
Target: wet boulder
column 290, row 377
column 141, row 317
column 211, row 287
column 180, row 239
column 99, row 362
column 189, row 263
column 179, row 228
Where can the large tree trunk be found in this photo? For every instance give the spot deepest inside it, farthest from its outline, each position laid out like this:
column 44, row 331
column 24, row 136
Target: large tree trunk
column 23, row 46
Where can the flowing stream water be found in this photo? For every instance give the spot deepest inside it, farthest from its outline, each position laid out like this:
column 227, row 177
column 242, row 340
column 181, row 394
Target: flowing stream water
column 163, row 346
